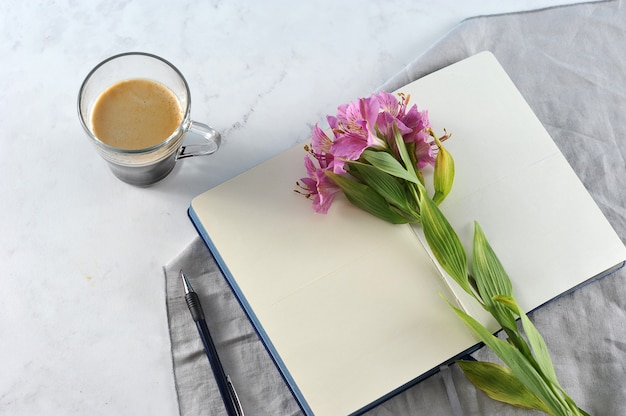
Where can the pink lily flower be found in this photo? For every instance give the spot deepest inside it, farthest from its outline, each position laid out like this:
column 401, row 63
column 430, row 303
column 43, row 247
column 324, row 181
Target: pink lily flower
column 318, row 186
column 369, row 122
column 355, row 130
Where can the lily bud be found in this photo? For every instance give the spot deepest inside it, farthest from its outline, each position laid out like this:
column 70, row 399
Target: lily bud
column 444, row 173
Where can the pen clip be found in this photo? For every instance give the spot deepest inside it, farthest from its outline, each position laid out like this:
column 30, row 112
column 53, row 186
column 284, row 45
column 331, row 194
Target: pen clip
column 234, row 398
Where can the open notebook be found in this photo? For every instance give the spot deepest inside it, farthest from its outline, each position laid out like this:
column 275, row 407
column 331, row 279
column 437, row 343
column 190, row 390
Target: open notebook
column 349, row 306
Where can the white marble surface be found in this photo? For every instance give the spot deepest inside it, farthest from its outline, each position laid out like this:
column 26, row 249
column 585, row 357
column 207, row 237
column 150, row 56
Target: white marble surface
column 83, row 326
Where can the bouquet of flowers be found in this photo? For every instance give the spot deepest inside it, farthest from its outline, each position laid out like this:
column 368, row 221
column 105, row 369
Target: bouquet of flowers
column 376, row 158
column 379, row 155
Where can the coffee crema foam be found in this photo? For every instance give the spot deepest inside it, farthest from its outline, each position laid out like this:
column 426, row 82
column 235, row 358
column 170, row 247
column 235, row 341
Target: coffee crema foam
column 135, row 114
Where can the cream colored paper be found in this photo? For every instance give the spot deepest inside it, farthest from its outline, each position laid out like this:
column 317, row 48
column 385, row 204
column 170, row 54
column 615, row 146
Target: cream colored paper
column 351, row 305
column 512, row 179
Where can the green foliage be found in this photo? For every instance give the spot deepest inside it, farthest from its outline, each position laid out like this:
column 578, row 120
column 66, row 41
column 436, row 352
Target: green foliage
column 499, row 383
column 367, row 199
column 491, row 279
column 529, row 362
column 444, row 173
column 444, row 243
column 391, row 188
column 521, row 367
column 385, row 162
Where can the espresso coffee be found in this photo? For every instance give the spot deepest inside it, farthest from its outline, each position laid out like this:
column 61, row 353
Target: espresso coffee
column 135, row 114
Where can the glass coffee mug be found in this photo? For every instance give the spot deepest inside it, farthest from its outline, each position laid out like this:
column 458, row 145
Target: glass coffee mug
column 142, row 164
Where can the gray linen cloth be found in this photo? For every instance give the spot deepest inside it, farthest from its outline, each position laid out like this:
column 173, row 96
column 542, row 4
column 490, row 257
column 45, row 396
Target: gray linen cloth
column 570, row 65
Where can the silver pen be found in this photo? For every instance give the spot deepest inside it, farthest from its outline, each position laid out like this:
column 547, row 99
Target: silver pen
column 225, row 385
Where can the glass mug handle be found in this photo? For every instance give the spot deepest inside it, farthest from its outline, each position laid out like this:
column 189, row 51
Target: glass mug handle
column 213, row 140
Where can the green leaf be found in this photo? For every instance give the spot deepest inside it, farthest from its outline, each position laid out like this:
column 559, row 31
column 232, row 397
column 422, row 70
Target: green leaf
column 410, row 149
column 444, row 242
column 444, row 173
column 499, row 383
column 387, row 163
column 519, row 365
column 388, row 186
column 404, row 154
column 367, row 199
column 491, row 280
column 537, row 343
column 490, row 275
